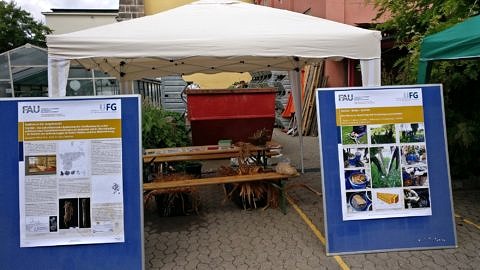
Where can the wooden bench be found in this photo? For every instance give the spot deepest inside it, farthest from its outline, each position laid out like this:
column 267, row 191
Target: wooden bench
column 269, row 176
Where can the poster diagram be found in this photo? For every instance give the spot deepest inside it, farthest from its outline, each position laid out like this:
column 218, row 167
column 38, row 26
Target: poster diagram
column 71, row 191
column 73, row 159
column 382, row 155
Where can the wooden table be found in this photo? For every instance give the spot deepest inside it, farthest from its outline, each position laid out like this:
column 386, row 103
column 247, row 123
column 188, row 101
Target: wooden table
column 211, row 152
column 207, row 152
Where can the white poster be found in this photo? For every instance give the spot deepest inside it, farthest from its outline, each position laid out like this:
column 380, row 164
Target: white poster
column 70, row 182
column 382, row 155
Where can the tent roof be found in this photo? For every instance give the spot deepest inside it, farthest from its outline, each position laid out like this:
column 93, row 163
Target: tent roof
column 211, row 36
column 457, row 42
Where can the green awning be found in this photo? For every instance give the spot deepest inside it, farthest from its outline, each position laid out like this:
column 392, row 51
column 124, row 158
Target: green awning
column 461, row 41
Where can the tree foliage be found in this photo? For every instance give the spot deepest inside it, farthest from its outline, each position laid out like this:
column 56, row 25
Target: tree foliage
column 409, row 22
column 18, row 27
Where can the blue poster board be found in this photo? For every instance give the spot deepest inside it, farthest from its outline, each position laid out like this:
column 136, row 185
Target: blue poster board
column 395, row 233
column 125, row 255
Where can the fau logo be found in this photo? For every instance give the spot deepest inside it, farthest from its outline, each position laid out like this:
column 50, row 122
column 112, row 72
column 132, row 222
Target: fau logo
column 345, row 97
column 31, row 109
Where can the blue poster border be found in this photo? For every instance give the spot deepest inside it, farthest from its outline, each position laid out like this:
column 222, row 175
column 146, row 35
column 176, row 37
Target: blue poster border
column 126, row 255
column 388, row 234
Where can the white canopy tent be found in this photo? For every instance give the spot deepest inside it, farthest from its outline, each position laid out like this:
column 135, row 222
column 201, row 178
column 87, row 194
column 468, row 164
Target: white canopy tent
column 211, row 36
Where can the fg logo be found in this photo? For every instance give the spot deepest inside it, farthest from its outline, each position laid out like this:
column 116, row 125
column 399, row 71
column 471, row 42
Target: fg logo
column 108, row 107
column 412, row 95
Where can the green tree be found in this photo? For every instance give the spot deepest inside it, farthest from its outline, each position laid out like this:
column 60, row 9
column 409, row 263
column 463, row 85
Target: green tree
column 18, row 27
column 409, row 22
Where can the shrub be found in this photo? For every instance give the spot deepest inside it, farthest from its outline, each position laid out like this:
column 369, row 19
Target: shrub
column 161, row 129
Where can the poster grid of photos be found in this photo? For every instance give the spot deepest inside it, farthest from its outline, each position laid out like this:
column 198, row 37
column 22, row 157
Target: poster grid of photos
column 385, row 170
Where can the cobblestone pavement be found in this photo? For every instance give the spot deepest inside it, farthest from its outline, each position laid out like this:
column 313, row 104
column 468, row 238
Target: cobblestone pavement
column 223, row 236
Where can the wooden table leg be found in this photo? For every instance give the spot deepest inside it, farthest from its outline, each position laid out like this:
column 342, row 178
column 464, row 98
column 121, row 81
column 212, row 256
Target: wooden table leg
column 283, row 199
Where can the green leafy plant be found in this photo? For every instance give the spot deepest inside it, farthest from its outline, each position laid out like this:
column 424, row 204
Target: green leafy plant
column 161, row 129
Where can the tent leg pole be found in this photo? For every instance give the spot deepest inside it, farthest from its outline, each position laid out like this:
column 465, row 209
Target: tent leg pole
column 300, row 138
column 126, row 86
column 294, row 76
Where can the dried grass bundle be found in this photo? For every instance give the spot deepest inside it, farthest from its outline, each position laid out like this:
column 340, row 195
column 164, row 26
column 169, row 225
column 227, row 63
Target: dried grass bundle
column 168, row 199
column 250, row 193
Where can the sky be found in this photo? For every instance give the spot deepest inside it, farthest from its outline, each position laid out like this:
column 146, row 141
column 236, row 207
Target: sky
column 36, row 7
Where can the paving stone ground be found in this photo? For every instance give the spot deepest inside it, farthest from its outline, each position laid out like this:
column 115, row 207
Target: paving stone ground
column 223, row 236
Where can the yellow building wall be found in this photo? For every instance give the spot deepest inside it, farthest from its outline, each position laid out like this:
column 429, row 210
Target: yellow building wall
column 206, row 81
column 155, row 6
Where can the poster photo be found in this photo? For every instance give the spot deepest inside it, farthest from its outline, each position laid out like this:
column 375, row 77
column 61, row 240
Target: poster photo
column 71, row 180
column 382, row 155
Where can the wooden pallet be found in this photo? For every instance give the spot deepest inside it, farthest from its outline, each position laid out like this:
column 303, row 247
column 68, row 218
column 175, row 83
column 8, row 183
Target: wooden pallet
column 313, row 79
